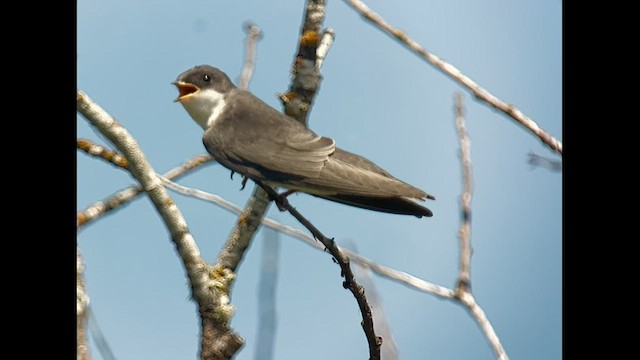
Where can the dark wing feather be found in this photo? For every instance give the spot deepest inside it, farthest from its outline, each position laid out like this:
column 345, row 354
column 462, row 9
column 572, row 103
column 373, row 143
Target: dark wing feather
column 350, row 173
column 254, row 139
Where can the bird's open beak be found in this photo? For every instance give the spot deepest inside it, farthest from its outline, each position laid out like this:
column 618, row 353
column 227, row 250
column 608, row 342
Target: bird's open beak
column 186, row 90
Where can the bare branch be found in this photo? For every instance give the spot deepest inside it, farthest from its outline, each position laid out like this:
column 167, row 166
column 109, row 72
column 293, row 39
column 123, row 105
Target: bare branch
column 325, row 44
column 253, row 35
column 247, row 224
column 82, row 311
column 464, row 234
column 456, row 75
column 463, row 288
column 389, row 350
column 122, row 197
column 305, row 70
column 267, row 296
column 101, row 152
column 218, row 200
column 209, row 286
column 403, row 277
column 350, row 282
column 468, row 300
column 99, row 338
column 538, row 160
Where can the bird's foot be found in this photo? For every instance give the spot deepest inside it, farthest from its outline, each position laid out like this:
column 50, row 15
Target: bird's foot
column 281, row 200
column 244, row 180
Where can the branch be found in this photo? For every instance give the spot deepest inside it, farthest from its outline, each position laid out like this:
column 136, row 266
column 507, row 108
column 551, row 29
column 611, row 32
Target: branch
column 122, row 197
column 253, row 35
column 325, row 44
column 350, row 282
column 82, row 311
column 456, row 75
column 468, row 300
column 463, row 288
column 208, row 286
column 101, row 152
column 389, row 349
column 464, row 234
column 538, row 160
column 99, row 339
column 306, row 67
column 267, row 314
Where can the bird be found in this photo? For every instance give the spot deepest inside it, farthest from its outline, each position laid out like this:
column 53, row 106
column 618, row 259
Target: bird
column 251, row 138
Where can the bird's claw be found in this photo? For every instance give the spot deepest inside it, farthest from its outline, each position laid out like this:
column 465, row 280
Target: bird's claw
column 281, row 200
column 244, row 182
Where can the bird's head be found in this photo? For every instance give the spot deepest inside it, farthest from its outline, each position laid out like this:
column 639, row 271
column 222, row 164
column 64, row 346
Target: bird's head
column 201, row 92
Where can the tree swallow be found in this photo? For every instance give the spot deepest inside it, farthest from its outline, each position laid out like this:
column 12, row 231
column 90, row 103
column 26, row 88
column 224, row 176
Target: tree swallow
column 249, row 137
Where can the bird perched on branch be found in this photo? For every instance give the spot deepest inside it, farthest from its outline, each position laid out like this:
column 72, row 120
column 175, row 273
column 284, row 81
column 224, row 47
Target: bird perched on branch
column 249, row 137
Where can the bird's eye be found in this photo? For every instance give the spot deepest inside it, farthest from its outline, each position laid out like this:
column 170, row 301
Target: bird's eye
column 206, row 78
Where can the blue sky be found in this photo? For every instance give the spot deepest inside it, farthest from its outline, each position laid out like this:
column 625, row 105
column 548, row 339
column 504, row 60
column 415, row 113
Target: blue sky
column 376, row 99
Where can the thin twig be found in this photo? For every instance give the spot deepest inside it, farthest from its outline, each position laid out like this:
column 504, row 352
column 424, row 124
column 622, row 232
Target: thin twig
column 542, row 161
column 458, row 76
column 267, row 316
column 101, row 152
column 122, row 197
column 350, row 282
column 99, row 339
column 325, row 44
column 208, row 286
column 464, row 234
column 389, row 349
column 82, row 311
column 253, row 35
column 463, row 291
column 468, row 300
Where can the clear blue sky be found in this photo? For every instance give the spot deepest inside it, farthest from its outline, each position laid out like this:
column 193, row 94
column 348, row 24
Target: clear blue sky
column 377, row 99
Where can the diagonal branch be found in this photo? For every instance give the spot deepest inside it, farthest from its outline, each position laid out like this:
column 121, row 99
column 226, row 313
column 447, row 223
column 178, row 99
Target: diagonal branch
column 456, row 75
column 122, row 197
column 350, row 282
column 208, row 286
column 99, row 338
column 101, row 152
column 543, row 161
column 389, row 349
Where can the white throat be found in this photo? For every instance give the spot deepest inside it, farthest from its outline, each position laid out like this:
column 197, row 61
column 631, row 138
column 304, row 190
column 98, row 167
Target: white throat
column 205, row 107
